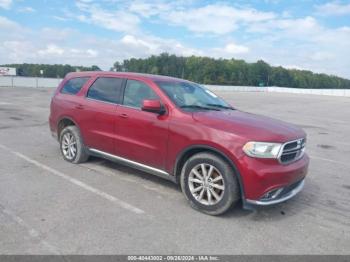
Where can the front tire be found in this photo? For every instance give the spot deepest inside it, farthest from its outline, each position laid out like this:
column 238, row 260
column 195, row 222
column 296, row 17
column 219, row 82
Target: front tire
column 72, row 146
column 209, row 183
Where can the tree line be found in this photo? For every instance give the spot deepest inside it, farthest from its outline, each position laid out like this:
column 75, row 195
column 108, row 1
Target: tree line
column 44, row 70
column 208, row 70
column 204, row 70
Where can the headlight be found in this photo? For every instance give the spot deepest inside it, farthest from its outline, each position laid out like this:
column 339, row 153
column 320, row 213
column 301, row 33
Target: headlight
column 262, row 149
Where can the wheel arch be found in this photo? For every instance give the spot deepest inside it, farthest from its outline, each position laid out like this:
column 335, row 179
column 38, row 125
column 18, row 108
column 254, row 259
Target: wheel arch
column 195, row 149
column 63, row 122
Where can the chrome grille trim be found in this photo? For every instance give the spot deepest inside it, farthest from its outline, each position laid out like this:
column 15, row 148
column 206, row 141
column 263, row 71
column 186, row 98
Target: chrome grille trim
column 292, row 151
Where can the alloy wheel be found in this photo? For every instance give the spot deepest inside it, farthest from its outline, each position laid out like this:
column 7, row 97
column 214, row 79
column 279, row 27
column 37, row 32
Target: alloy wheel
column 206, row 184
column 69, row 146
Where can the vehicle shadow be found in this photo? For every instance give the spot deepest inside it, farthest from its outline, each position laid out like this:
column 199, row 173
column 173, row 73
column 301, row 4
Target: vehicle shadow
column 273, row 213
column 259, row 213
column 304, row 202
column 132, row 173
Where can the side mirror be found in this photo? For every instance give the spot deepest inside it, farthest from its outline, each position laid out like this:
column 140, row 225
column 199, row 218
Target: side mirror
column 153, row 106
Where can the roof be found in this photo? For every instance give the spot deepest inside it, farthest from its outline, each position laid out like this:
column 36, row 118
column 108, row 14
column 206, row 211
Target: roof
column 123, row 74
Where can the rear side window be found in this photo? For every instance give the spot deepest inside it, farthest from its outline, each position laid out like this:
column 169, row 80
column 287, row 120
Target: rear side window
column 107, row 89
column 74, row 85
column 135, row 92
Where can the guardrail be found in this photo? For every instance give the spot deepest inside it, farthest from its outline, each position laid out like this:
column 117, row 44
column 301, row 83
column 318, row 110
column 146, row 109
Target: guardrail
column 326, row 92
column 20, row 81
column 237, row 88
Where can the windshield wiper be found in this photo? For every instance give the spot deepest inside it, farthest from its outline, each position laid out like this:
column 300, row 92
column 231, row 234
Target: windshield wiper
column 221, row 106
column 199, row 107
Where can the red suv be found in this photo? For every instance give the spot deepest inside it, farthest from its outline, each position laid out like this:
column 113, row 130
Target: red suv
column 183, row 132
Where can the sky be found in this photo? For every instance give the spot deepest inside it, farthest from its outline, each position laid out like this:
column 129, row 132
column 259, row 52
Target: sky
column 304, row 34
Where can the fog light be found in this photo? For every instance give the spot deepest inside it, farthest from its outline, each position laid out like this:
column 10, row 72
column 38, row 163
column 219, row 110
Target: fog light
column 272, row 194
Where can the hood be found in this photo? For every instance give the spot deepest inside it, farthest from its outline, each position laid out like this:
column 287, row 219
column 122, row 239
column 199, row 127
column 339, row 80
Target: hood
column 250, row 126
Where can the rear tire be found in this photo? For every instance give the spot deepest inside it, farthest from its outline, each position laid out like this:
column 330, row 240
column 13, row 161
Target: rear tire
column 72, row 146
column 209, row 183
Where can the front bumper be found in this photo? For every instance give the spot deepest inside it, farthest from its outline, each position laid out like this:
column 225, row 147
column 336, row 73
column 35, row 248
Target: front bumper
column 267, row 182
column 281, row 195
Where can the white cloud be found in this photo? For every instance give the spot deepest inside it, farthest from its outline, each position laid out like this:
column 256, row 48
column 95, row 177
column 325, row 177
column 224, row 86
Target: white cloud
column 26, row 9
column 302, row 42
column 294, row 67
column 60, row 18
column 143, row 46
column 92, row 53
column 139, row 43
column 228, row 50
column 48, row 45
column 54, row 35
column 232, row 48
column 333, row 8
column 116, row 20
column 297, row 27
column 6, row 23
column 52, row 50
column 322, row 56
column 89, row 53
column 148, row 9
column 68, row 46
column 279, row 39
column 17, row 51
column 216, row 18
column 6, row 4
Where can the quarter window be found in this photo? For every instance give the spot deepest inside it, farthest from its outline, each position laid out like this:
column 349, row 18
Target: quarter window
column 74, row 85
column 135, row 92
column 107, row 89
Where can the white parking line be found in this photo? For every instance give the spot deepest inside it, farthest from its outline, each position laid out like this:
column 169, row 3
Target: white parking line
column 5, row 103
column 77, row 182
column 31, row 231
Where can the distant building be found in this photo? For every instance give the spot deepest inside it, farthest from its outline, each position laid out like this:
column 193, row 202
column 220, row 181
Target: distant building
column 7, row 71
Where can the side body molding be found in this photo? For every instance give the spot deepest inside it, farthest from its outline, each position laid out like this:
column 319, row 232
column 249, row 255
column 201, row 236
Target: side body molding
column 136, row 165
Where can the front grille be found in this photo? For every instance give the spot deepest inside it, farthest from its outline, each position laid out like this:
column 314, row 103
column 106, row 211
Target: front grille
column 292, row 151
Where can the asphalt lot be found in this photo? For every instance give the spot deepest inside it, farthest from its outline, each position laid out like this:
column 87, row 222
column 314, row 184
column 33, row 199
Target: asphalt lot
column 49, row 206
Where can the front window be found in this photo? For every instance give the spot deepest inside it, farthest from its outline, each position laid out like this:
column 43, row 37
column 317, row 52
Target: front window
column 188, row 95
column 135, row 92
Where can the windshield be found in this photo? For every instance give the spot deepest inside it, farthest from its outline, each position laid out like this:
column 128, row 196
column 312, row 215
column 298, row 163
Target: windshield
column 192, row 96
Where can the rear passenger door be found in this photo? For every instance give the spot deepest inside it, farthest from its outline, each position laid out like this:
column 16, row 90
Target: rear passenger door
column 99, row 117
column 142, row 135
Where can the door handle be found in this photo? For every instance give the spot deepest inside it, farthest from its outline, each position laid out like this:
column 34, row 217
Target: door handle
column 79, row 106
column 123, row 115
